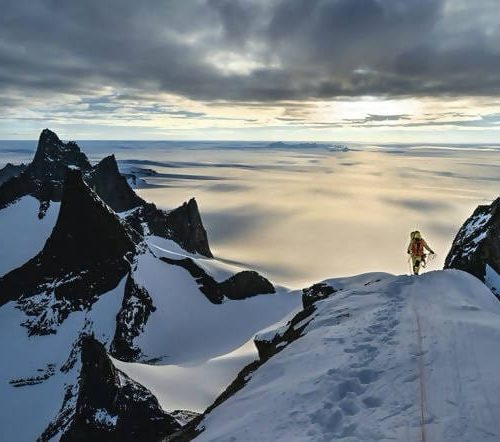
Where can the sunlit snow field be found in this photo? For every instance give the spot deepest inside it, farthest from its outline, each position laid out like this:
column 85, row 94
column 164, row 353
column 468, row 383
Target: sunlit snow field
column 300, row 215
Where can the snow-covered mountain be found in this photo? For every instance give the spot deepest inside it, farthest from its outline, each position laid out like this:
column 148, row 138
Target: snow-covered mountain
column 117, row 323
column 95, row 277
column 372, row 357
column 476, row 248
column 43, row 179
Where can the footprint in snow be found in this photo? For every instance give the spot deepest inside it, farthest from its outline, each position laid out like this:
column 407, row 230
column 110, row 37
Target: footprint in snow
column 372, row 402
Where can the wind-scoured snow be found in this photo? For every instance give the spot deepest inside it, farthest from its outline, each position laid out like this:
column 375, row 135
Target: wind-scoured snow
column 386, row 358
column 22, row 234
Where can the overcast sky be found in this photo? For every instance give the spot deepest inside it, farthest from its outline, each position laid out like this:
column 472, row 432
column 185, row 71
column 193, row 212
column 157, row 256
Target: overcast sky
column 359, row 70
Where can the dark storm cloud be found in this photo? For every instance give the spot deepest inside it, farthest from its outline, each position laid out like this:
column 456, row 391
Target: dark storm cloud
column 250, row 50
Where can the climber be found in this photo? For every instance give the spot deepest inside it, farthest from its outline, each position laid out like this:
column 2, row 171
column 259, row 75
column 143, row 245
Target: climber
column 417, row 252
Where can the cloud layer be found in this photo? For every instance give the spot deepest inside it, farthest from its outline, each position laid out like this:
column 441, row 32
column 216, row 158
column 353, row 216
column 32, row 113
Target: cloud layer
column 121, row 53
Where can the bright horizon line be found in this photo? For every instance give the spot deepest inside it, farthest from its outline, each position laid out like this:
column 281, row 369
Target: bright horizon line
column 201, row 140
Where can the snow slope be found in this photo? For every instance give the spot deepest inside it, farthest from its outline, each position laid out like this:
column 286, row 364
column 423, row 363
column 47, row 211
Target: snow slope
column 386, row 358
column 22, row 234
column 192, row 386
column 197, row 347
column 187, row 328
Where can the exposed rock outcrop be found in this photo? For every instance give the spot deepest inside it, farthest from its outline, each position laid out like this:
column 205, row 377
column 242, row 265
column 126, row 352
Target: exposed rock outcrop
column 183, row 225
column 246, row 284
column 112, row 407
column 316, row 292
column 43, row 178
column 105, row 179
column 15, row 188
column 10, row 171
column 476, row 248
column 136, row 308
column 187, row 229
column 242, row 285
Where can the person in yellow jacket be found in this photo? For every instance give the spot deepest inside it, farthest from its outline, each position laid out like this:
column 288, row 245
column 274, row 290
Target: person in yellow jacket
column 416, row 250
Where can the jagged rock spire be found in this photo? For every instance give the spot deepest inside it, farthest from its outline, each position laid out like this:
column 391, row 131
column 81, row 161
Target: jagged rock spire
column 111, row 406
column 85, row 226
column 112, row 187
column 52, row 156
column 187, row 227
column 477, row 244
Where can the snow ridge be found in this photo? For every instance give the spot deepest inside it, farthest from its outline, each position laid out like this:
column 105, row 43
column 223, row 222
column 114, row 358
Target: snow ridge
column 392, row 360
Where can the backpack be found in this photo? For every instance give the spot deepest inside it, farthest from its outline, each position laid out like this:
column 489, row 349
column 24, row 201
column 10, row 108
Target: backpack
column 417, row 247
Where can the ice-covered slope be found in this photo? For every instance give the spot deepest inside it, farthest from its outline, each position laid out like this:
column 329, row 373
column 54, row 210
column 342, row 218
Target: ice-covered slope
column 22, row 232
column 190, row 347
column 383, row 358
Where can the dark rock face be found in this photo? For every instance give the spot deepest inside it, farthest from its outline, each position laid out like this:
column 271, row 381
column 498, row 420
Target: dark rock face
column 86, row 255
column 239, row 286
column 10, row 171
column 245, row 285
column 43, row 177
column 112, row 407
column 15, row 188
column 182, row 225
column 105, row 179
column 477, row 244
column 86, row 227
column 316, row 292
column 186, row 228
column 136, row 308
column 268, row 346
column 52, row 157
column 208, row 285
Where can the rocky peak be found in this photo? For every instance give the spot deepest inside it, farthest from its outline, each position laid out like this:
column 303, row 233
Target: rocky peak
column 43, row 177
column 108, row 165
column 86, row 255
column 187, row 228
column 476, row 248
column 112, row 187
column 52, row 156
column 86, row 228
column 98, row 377
column 111, row 406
